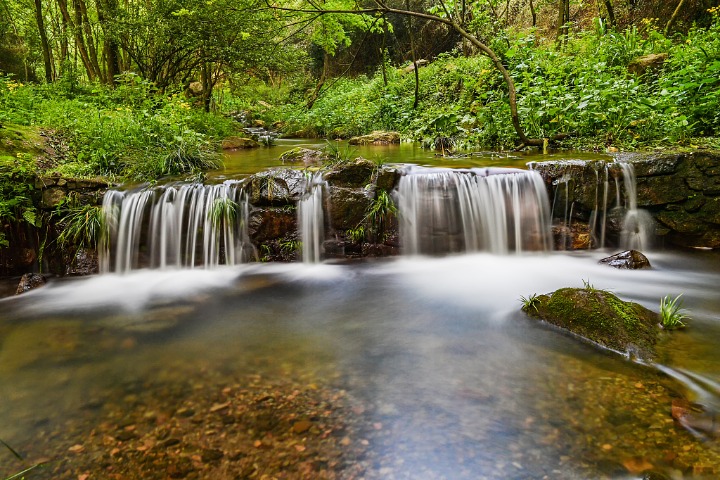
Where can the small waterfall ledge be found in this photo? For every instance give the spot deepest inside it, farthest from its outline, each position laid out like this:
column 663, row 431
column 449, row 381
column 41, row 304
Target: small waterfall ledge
column 677, row 202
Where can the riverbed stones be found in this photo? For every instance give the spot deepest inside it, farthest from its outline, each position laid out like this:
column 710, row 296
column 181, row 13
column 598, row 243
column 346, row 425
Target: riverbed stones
column 629, row 259
column 601, row 318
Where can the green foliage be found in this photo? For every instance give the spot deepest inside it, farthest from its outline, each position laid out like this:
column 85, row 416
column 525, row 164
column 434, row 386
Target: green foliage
column 16, row 193
column 131, row 132
column 584, row 89
column 81, row 226
column 339, row 154
column 531, row 302
column 672, row 313
column 224, row 211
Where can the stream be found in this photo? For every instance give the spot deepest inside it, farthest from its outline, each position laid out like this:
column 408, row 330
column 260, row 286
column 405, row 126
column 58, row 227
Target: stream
column 426, row 366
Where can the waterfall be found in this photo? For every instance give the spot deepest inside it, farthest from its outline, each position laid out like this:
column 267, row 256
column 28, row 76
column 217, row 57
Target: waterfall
column 637, row 225
column 186, row 225
column 311, row 220
column 494, row 210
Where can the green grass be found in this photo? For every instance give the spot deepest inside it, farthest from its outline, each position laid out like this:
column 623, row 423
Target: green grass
column 672, row 315
column 530, row 302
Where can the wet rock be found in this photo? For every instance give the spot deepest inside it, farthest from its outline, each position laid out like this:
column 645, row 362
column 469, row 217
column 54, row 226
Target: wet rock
column 52, row 197
column 629, row 259
column 601, row 318
column 237, row 143
column 376, row 138
column 576, row 236
column 354, row 174
column 305, row 156
column 84, row 262
column 211, row 455
column 30, row 281
column 348, row 207
column 272, row 223
column 279, row 186
column 302, row 426
column 387, row 178
column 653, row 475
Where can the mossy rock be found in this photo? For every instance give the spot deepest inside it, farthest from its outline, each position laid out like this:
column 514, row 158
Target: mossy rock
column 377, row 137
column 601, row 318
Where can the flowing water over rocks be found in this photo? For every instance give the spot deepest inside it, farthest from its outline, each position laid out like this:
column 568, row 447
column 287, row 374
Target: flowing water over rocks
column 414, row 368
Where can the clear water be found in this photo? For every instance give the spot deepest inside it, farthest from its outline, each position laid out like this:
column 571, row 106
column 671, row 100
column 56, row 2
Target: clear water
column 449, row 378
column 435, row 349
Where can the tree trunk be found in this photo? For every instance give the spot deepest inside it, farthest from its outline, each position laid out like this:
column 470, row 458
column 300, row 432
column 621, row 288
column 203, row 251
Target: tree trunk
column 108, row 9
column 610, row 13
column 533, row 13
column 414, row 58
column 43, row 41
column 321, row 81
column 79, row 42
column 674, row 16
column 563, row 19
column 84, row 21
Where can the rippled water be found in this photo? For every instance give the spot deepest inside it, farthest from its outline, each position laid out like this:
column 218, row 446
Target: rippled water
column 456, row 380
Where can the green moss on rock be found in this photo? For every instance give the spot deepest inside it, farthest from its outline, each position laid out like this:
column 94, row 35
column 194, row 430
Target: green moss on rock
column 600, row 317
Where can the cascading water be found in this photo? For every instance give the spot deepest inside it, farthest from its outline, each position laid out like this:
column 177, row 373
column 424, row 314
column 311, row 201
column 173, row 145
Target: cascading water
column 637, row 226
column 186, row 225
column 311, row 220
column 495, row 210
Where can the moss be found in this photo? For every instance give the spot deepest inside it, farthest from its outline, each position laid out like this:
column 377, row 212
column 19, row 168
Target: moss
column 16, row 139
column 602, row 318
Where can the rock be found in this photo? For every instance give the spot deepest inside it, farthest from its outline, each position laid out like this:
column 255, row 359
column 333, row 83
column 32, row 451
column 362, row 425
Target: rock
column 271, row 223
column 629, row 259
column 84, row 262
column 348, row 207
column 377, row 137
column 30, row 281
column 52, row 197
column 279, row 186
column 696, row 418
column 355, row 174
column 236, row 143
column 576, row 236
column 195, row 89
column 647, row 63
column 306, row 156
column 302, row 426
column 600, row 317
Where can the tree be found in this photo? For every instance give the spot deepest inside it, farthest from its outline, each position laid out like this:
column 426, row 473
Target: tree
column 451, row 12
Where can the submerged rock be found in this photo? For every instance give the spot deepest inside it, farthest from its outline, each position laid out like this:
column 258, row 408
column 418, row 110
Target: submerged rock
column 30, row 281
column 629, row 259
column 376, row 138
column 601, row 318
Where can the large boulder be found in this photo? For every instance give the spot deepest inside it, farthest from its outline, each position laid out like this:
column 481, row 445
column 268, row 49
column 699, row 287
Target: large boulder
column 600, row 317
column 376, row 138
column 629, row 259
column 348, row 207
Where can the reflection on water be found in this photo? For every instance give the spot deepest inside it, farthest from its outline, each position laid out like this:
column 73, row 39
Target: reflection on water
column 448, row 379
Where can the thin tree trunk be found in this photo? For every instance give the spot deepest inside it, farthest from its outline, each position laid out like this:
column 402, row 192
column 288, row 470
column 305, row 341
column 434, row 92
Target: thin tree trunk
column 674, row 16
column 84, row 21
column 414, row 58
column 610, row 13
column 321, row 81
column 43, row 41
column 533, row 13
column 79, row 42
column 108, row 9
column 382, row 52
